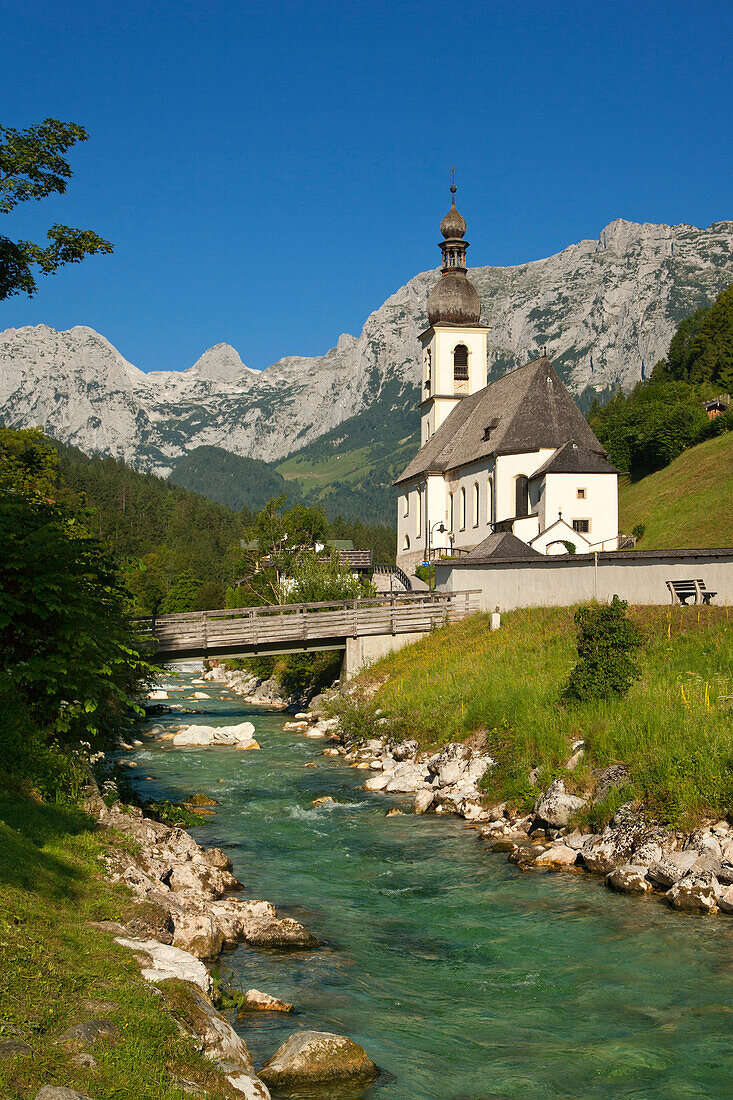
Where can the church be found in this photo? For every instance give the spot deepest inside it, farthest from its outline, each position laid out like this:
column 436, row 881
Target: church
column 510, row 469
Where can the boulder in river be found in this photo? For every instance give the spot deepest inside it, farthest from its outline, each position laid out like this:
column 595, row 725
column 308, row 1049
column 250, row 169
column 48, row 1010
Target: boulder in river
column 318, row 1058
column 255, row 1001
column 240, row 736
column 198, row 933
column 284, row 932
column 697, row 892
column 630, row 878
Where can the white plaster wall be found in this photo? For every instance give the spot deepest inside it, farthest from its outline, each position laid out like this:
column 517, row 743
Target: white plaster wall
column 363, row 651
column 600, row 505
column 563, row 582
column 477, row 528
column 507, row 469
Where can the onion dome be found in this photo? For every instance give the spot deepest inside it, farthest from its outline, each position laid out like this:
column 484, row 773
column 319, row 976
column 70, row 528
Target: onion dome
column 453, row 224
column 454, row 300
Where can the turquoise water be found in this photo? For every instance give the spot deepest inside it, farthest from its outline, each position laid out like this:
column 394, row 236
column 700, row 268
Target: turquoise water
column 464, row 978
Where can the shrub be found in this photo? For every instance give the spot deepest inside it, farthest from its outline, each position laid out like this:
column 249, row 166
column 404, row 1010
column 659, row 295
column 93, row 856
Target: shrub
column 607, row 644
column 638, row 531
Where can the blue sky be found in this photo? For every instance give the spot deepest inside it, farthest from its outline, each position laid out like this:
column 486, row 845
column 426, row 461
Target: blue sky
column 270, row 172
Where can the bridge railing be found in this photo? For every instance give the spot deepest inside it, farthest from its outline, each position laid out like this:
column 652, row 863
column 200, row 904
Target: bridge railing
column 252, row 627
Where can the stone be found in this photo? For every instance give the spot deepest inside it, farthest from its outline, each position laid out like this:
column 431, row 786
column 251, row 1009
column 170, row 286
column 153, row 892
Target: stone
column 198, row 933
column 315, row 1058
column 166, row 961
column 88, row 1032
column 405, row 750
column 238, row 736
column 725, row 900
column 557, row 857
column 629, row 879
column 555, row 807
column 151, row 921
column 671, row 868
column 236, row 918
column 617, row 775
column 284, row 932
column 215, row 857
column 215, row 1033
column 377, row 782
column 58, row 1092
column 325, row 800
column 255, row 1001
column 697, row 892
column 725, row 874
column 14, row 1048
column 250, row 1086
column 394, row 812
column 199, row 799
column 422, row 801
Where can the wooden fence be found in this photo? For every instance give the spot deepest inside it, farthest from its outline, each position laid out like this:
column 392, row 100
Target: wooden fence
column 289, row 628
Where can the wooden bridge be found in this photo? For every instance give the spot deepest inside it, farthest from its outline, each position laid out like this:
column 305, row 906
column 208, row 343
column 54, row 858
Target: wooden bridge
column 299, row 628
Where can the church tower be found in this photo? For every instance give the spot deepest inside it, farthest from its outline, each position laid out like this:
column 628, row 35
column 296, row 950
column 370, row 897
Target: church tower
column 454, row 346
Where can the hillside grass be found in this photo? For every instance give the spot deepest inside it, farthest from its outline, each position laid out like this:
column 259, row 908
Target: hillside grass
column 502, row 690
column 57, row 970
column 687, row 504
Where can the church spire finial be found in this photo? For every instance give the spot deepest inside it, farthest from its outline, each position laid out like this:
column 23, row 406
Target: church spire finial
column 453, row 187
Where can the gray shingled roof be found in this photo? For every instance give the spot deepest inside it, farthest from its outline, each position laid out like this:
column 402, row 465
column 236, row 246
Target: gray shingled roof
column 573, row 458
column 502, row 546
column 533, row 410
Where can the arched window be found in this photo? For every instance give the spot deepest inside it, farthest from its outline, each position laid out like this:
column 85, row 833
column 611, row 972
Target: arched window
column 451, row 511
column 489, row 501
column 418, row 512
column 521, row 496
column 406, row 543
column 475, row 503
column 428, row 369
column 460, row 363
column 462, row 516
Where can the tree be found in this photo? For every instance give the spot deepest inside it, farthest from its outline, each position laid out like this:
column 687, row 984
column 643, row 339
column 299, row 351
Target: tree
column 28, row 462
column 32, row 167
column 607, row 645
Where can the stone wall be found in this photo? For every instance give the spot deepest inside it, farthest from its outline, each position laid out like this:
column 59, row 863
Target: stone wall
column 636, row 576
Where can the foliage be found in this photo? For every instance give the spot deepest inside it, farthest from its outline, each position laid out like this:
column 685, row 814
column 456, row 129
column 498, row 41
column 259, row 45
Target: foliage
column 702, row 348
column 607, row 644
column 66, row 642
column 672, row 729
column 28, row 463
column 181, row 595
column 320, row 577
column 638, row 530
column 305, row 674
column 234, row 480
column 32, row 167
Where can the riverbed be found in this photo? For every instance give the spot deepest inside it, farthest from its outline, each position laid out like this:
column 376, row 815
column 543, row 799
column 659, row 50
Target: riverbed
column 462, row 977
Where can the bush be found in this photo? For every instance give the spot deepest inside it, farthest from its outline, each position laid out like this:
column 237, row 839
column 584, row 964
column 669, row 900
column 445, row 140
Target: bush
column 607, row 644
column 638, row 531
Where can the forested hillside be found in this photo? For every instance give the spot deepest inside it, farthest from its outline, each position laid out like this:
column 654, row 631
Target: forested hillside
column 230, row 479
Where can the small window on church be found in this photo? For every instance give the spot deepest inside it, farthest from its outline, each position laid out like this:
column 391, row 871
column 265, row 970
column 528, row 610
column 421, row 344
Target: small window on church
column 406, row 543
column 462, row 515
column 407, row 505
column 521, row 496
column 582, row 526
column 460, row 363
column 489, row 500
column 451, row 511
column 475, row 503
column 581, row 494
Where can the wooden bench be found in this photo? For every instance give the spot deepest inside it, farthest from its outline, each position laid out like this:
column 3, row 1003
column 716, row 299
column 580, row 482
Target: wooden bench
column 683, row 591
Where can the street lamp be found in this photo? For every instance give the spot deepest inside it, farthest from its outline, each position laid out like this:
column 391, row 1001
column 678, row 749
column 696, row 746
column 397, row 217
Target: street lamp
column 442, row 529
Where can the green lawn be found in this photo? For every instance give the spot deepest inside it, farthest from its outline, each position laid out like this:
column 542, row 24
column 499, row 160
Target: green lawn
column 503, row 689
column 688, row 503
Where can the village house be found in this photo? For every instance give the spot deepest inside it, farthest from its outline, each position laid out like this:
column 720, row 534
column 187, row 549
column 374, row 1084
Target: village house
column 511, row 467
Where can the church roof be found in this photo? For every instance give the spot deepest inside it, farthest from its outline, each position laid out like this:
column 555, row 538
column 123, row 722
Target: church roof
column 574, row 458
column 502, row 546
column 526, row 410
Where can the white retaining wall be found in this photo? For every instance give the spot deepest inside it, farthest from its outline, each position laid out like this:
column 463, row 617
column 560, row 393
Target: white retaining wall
column 636, row 576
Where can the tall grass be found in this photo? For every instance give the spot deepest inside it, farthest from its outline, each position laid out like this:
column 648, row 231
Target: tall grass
column 674, row 730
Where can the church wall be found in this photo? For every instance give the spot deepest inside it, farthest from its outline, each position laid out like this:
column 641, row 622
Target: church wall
column 565, row 581
column 476, row 528
column 508, row 467
column 599, row 506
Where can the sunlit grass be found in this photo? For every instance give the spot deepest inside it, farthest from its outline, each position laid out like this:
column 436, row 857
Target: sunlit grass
column 673, row 730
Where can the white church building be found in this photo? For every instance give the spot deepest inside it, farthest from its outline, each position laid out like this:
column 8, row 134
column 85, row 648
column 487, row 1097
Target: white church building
column 510, row 469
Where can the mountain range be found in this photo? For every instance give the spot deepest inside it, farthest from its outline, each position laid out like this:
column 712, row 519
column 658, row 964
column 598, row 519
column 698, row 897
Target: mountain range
column 606, row 310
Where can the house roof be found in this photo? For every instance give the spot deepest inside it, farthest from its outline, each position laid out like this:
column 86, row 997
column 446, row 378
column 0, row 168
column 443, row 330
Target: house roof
column 356, row 559
column 532, row 410
column 502, row 546
column 574, row 458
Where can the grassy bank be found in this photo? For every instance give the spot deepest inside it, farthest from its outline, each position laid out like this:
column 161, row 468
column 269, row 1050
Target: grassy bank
column 688, row 503
column 502, row 691
column 58, row 971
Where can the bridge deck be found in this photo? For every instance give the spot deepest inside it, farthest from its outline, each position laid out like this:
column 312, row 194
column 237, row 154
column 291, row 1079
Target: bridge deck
column 293, row 628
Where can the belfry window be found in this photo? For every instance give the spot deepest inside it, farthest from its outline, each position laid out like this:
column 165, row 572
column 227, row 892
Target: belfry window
column 460, row 363
column 521, row 496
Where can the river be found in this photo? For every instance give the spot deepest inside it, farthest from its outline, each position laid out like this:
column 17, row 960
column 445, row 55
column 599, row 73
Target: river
column 462, row 977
